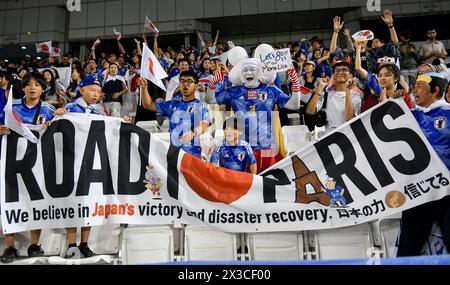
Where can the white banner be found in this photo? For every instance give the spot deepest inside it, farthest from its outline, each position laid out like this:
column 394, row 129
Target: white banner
column 276, row 61
column 91, row 170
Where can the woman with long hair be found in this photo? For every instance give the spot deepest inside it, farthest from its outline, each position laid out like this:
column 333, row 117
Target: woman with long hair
column 78, row 75
column 54, row 94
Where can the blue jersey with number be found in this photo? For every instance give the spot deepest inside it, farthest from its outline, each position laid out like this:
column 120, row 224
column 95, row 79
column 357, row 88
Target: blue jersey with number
column 435, row 124
column 254, row 107
column 27, row 114
column 184, row 116
column 237, row 157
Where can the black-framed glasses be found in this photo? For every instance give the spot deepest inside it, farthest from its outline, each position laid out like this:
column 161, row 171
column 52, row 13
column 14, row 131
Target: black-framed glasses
column 188, row 82
column 341, row 70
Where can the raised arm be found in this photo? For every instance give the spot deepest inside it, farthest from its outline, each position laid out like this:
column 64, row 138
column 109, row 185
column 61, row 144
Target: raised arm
column 350, row 45
column 138, row 46
column 364, row 74
column 217, row 38
column 121, row 48
column 94, row 45
column 201, row 38
column 155, row 44
column 144, row 38
column 337, row 26
column 389, row 20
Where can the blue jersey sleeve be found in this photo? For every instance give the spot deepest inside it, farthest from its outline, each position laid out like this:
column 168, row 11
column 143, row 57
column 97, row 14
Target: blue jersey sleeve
column 205, row 114
column 280, row 97
column 215, row 156
column 164, row 108
column 223, row 95
column 250, row 157
column 373, row 84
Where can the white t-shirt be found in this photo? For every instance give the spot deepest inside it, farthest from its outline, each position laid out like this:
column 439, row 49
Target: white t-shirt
column 336, row 107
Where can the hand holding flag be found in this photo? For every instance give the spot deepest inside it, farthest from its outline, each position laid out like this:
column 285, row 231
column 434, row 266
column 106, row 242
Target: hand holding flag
column 151, row 69
column 13, row 122
column 150, row 25
column 117, row 34
column 96, row 43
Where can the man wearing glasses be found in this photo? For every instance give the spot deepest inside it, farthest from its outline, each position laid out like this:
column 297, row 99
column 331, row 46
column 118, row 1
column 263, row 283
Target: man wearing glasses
column 189, row 117
column 343, row 102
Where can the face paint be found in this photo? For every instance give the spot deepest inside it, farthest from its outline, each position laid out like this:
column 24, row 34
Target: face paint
column 250, row 76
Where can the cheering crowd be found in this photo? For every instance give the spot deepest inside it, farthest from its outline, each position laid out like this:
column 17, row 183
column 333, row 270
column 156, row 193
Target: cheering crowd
column 220, row 87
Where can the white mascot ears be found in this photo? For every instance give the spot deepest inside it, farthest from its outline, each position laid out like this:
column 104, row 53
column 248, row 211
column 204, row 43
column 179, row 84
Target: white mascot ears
column 265, row 78
column 238, row 57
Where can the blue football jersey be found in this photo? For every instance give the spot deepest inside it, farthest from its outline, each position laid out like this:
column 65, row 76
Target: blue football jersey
column 254, row 107
column 3, row 101
column 237, row 157
column 435, row 124
column 184, row 116
column 27, row 115
column 80, row 106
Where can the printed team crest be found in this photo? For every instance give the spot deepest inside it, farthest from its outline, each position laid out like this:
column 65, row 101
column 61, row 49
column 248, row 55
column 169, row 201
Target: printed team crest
column 440, row 123
column 241, row 156
column 263, row 96
column 41, row 120
column 252, row 95
column 190, row 109
column 153, row 182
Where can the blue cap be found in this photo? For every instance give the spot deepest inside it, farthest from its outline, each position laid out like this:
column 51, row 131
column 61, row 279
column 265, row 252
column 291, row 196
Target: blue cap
column 91, row 79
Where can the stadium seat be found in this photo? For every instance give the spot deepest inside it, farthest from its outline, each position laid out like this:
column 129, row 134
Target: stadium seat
column 390, row 230
column 295, row 137
column 104, row 241
column 147, row 244
column 150, row 126
column 276, row 246
column 206, row 243
column 343, row 243
column 385, row 232
column 51, row 241
column 294, row 119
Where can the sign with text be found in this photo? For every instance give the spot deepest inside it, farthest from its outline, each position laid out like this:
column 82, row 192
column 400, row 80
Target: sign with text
column 90, row 170
column 276, row 61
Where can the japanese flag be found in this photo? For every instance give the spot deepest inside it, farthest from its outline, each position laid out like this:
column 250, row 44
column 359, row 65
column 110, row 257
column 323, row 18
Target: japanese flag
column 150, row 25
column 44, row 47
column 151, row 69
column 56, row 52
column 117, row 34
column 13, row 122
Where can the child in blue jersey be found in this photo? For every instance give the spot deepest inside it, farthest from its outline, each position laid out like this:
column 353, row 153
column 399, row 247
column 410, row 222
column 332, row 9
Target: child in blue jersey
column 433, row 117
column 189, row 118
column 31, row 110
column 90, row 91
column 234, row 153
column 253, row 103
